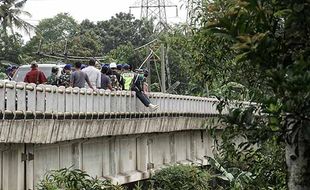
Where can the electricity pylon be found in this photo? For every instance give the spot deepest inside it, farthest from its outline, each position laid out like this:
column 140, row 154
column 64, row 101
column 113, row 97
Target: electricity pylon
column 154, row 9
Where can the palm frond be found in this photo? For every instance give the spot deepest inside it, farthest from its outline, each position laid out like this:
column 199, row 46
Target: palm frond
column 20, row 4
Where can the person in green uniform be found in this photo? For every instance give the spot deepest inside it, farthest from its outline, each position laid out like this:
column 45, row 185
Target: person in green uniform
column 64, row 79
column 53, row 78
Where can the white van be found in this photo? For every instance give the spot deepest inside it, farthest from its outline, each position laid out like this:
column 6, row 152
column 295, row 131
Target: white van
column 21, row 72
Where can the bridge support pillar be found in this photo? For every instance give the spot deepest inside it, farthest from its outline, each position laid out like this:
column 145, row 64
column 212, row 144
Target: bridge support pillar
column 142, row 155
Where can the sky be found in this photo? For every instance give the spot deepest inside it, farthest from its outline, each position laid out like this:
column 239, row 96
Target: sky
column 94, row 10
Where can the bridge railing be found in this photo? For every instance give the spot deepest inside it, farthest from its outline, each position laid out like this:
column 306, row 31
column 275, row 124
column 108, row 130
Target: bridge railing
column 46, row 98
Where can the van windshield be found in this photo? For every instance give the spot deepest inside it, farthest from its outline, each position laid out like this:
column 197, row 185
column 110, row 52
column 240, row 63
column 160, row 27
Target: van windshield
column 21, row 72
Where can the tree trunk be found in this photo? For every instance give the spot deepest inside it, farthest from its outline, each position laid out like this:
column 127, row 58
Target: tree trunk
column 298, row 160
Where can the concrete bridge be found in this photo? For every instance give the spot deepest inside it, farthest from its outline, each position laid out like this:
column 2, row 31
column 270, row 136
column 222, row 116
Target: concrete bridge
column 107, row 134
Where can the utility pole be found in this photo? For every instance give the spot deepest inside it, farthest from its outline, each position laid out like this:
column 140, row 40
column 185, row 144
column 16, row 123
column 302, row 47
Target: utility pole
column 149, row 82
column 163, row 69
column 167, row 67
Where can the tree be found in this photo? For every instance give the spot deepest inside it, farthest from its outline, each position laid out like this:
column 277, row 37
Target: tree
column 127, row 54
column 10, row 11
column 123, row 29
column 85, row 44
column 58, row 28
column 11, row 51
column 270, row 40
column 53, row 34
column 88, row 38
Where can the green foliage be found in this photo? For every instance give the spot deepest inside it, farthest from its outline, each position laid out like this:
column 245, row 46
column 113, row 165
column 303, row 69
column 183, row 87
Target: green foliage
column 181, row 177
column 58, row 28
column 235, row 178
column 84, row 44
column 127, row 54
column 249, row 144
column 180, row 62
column 73, row 179
column 52, row 33
column 10, row 41
column 266, row 40
column 120, row 34
column 10, row 48
column 123, row 29
column 269, row 46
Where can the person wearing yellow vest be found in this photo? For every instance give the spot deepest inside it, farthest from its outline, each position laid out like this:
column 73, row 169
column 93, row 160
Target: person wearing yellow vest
column 128, row 76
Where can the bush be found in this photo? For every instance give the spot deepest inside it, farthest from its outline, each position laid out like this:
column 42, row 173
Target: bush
column 181, row 177
column 73, row 179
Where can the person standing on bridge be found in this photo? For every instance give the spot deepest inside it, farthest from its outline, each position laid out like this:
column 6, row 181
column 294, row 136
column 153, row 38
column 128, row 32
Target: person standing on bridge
column 78, row 77
column 35, row 75
column 128, row 76
column 105, row 79
column 64, row 79
column 116, row 78
column 93, row 74
column 53, row 79
column 137, row 86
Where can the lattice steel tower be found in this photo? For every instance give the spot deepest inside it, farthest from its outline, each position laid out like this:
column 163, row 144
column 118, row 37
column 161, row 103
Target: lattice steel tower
column 154, row 9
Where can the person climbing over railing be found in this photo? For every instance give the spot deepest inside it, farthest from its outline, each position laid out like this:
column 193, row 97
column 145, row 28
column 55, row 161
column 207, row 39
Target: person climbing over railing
column 137, row 86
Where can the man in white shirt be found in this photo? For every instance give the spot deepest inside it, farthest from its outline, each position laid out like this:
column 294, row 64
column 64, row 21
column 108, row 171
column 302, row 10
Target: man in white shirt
column 93, row 74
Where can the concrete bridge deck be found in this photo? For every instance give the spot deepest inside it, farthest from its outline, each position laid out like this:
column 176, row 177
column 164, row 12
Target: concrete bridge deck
column 108, row 134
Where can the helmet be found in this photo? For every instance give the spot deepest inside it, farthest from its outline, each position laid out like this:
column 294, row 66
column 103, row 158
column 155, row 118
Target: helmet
column 126, row 66
column 106, row 65
column 105, row 69
column 113, row 65
column 119, row 66
column 67, row 67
